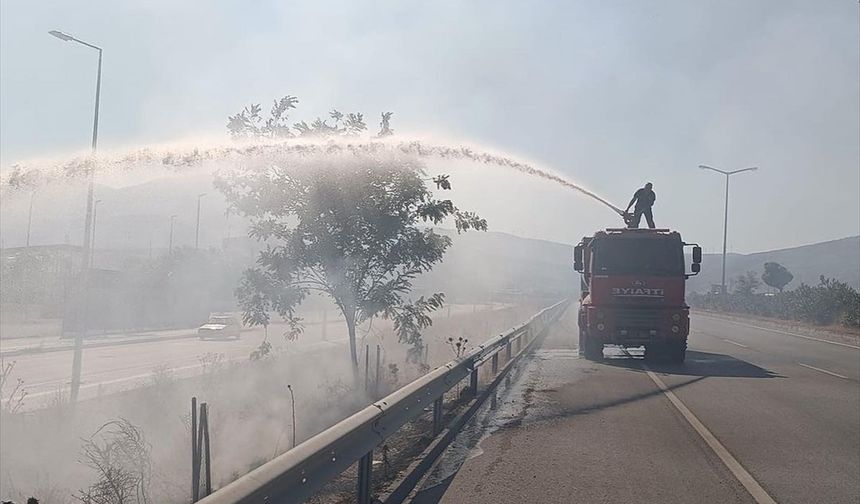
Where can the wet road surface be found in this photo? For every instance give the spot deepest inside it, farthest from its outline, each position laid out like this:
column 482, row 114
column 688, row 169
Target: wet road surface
column 754, row 416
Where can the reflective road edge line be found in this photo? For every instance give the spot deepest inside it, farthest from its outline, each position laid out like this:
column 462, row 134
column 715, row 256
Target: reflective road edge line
column 831, row 373
column 756, row 491
column 780, row 332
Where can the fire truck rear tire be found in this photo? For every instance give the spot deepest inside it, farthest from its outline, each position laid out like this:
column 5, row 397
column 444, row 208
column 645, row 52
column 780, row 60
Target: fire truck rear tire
column 593, row 348
column 676, row 352
column 581, row 342
column 666, row 352
column 653, row 351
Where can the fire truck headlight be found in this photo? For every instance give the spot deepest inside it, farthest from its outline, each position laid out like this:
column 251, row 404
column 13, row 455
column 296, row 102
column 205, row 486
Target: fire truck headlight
column 600, row 326
column 675, row 329
column 676, row 317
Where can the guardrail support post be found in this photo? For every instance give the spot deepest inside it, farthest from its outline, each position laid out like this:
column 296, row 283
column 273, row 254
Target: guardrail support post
column 473, row 381
column 365, row 478
column 437, row 416
column 376, row 382
column 366, row 368
column 495, row 363
column 508, row 350
column 195, row 454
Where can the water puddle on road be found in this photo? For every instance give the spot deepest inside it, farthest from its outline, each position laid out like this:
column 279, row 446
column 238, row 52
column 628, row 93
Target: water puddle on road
column 520, row 401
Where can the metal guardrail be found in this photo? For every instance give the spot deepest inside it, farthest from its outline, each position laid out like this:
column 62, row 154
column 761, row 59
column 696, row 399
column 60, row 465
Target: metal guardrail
column 301, row 472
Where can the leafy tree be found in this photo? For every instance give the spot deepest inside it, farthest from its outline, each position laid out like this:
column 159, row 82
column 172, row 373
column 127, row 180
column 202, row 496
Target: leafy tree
column 776, row 275
column 385, row 125
column 249, row 123
column 348, row 227
column 747, row 284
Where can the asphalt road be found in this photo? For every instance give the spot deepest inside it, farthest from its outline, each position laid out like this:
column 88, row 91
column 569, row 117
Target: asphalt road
column 110, row 369
column 129, row 364
column 754, row 415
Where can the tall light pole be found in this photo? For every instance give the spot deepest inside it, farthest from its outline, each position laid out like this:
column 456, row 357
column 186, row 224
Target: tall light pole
column 90, row 172
column 197, row 229
column 85, row 253
column 24, row 271
column 170, row 246
column 30, row 219
column 93, row 245
column 726, row 217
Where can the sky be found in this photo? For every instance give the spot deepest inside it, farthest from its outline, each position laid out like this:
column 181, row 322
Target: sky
column 609, row 93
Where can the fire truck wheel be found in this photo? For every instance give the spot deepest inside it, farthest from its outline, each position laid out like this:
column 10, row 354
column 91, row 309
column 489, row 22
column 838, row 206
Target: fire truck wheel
column 593, row 348
column 655, row 351
column 676, row 352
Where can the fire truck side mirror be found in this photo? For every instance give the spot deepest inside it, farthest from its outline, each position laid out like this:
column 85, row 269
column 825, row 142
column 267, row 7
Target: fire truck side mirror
column 696, row 267
column 577, row 258
column 697, row 256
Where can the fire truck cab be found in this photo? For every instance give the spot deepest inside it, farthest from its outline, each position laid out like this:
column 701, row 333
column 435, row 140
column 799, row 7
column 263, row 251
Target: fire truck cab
column 633, row 283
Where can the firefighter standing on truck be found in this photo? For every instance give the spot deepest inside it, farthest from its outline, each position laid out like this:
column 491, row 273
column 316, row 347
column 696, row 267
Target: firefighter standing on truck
column 644, row 199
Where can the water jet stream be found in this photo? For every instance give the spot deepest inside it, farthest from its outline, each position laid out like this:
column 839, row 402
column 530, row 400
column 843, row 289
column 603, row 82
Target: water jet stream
column 27, row 175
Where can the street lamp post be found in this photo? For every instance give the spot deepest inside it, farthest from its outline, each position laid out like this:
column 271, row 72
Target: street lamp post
column 30, row 219
column 197, row 228
column 170, row 243
column 726, row 216
column 93, row 245
column 85, row 253
column 25, row 270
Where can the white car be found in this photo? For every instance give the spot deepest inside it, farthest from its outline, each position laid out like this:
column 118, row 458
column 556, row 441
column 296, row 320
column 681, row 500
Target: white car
column 220, row 326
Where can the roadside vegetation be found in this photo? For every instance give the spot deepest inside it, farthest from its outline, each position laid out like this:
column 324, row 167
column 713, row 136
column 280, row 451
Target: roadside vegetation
column 831, row 302
column 131, row 444
column 353, row 227
column 350, row 227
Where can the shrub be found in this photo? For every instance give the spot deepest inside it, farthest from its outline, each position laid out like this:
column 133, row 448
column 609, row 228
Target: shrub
column 829, row 302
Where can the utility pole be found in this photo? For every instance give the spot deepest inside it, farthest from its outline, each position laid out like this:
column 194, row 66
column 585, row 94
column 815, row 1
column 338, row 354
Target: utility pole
column 170, row 246
column 227, row 217
column 30, row 219
column 93, row 245
column 25, row 277
column 197, row 228
column 726, row 216
column 85, row 253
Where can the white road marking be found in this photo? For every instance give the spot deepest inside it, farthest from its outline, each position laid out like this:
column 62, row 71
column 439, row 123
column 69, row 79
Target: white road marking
column 783, row 332
column 558, row 353
column 756, row 491
column 85, row 386
column 831, row 373
column 735, row 343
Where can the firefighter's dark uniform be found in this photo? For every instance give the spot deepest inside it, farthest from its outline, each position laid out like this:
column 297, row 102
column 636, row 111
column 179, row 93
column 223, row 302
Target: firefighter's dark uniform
column 644, row 201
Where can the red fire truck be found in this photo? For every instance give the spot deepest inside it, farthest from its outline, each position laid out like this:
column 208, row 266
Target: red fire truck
column 633, row 292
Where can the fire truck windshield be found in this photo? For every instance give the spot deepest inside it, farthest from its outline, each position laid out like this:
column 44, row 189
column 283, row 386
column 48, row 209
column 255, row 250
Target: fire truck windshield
column 638, row 256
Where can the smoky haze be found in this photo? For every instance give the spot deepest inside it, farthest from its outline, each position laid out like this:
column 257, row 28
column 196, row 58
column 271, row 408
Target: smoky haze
column 611, row 95
column 546, row 117
column 153, row 284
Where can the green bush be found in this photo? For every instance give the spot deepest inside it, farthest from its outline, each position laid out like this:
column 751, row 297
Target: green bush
column 829, row 302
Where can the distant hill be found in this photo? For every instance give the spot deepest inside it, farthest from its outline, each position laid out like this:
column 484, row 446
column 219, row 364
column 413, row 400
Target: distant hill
column 838, row 259
column 500, row 266
column 479, row 264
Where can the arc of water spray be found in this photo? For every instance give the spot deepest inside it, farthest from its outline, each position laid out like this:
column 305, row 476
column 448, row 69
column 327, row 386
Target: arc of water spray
column 196, row 156
column 489, row 158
